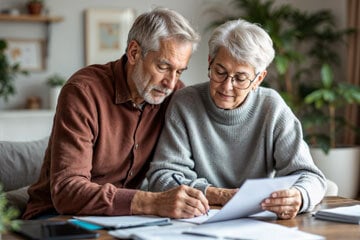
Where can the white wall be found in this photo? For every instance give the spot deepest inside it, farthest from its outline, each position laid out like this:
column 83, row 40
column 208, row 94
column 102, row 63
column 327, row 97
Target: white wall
column 66, row 49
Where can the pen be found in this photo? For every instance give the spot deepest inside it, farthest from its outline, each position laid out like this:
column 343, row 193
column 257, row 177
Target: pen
column 179, row 183
column 176, row 179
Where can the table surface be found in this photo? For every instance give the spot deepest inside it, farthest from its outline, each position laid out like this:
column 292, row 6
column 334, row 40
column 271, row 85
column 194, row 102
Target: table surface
column 304, row 222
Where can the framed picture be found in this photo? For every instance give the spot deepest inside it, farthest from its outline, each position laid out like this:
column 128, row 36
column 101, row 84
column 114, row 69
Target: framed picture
column 106, row 34
column 29, row 53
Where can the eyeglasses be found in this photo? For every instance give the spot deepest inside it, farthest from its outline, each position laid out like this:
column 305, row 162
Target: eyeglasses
column 239, row 81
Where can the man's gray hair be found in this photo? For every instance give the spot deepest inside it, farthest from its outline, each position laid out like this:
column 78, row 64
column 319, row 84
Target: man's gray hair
column 161, row 23
column 247, row 42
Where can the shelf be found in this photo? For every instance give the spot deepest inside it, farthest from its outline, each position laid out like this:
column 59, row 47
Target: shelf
column 30, row 18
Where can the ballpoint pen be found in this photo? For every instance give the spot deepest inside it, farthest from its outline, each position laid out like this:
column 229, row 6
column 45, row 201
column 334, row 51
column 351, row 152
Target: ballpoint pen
column 176, row 179
column 179, row 183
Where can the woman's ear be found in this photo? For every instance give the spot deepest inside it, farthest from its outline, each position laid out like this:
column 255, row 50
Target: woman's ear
column 133, row 52
column 260, row 78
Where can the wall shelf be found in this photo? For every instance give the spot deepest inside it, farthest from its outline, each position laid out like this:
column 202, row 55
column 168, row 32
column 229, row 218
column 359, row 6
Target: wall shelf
column 30, row 18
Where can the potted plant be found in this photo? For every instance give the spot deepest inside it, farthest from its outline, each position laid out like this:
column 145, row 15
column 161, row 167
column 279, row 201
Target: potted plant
column 306, row 47
column 328, row 99
column 7, row 214
column 35, row 6
column 55, row 82
column 8, row 73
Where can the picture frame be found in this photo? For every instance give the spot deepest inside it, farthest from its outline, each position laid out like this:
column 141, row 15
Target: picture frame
column 28, row 53
column 106, row 32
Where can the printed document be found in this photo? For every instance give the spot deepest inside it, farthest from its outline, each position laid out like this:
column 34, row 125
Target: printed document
column 247, row 200
column 246, row 228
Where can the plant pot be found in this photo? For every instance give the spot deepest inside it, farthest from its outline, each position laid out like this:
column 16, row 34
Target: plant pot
column 34, row 8
column 53, row 96
column 341, row 165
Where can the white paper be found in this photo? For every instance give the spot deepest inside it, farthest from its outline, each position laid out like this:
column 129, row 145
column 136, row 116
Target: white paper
column 349, row 214
column 124, row 221
column 172, row 232
column 247, row 200
column 246, row 228
column 202, row 218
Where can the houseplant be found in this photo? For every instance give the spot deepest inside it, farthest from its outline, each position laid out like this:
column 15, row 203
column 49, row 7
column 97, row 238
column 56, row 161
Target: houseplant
column 328, row 99
column 7, row 214
column 35, row 7
column 8, row 73
column 306, row 47
column 55, row 82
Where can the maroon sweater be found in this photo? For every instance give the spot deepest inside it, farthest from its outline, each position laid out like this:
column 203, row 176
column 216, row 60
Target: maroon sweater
column 100, row 146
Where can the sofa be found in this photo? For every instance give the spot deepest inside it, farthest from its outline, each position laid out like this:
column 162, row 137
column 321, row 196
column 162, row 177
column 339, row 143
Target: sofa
column 20, row 164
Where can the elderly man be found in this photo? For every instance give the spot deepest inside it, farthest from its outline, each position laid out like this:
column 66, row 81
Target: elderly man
column 107, row 123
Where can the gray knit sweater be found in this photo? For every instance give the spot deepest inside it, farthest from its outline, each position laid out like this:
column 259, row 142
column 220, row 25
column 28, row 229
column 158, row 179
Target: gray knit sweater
column 206, row 145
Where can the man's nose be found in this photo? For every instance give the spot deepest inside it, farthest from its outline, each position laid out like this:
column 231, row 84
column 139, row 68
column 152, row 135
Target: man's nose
column 170, row 79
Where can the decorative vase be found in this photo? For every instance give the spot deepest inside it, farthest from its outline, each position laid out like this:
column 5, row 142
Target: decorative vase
column 34, row 8
column 341, row 165
column 53, row 96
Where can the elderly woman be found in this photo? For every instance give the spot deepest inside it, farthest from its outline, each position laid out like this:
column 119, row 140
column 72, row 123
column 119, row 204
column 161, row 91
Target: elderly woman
column 219, row 133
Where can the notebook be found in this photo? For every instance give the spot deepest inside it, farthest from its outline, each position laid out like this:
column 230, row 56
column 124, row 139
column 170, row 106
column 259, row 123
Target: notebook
column 348, row 214
column 116, row 222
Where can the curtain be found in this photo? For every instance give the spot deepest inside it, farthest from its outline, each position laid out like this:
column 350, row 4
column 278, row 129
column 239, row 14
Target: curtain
column 353, row 67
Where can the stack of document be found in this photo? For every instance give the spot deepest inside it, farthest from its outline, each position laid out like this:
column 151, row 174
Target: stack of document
column 230, row 222
column 350, row 214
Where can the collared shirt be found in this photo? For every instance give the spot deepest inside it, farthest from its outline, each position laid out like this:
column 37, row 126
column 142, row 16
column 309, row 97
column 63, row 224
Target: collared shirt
column 100, row 146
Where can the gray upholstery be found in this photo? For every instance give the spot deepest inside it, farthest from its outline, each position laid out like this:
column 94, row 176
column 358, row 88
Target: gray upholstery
column 331, row 188
column 20, row 164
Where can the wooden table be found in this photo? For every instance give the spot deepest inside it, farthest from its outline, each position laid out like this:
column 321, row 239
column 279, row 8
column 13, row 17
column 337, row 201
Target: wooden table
column 304, row 222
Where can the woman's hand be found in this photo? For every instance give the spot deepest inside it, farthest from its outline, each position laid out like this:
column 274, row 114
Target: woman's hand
column 219, row 196
column 285, row 203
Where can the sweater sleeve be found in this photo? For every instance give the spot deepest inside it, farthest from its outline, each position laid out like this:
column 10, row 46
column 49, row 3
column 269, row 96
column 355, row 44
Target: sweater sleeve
column 173, row 153
column 73, row 139
column 292, row 156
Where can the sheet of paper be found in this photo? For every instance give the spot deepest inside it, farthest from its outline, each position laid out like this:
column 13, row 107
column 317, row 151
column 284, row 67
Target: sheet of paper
column 349, row 214
column 124, row 221
column 248, row 199
column 172, row 232
column 246, row 228
column 200, row 219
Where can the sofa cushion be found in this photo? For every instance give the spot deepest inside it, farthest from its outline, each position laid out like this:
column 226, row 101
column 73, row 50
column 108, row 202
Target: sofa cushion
column 18, row 198
column 20, row 162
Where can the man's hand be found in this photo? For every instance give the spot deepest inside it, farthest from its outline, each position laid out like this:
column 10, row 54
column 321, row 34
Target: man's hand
column 286, row 203
column 179, row 202
column 219, row 196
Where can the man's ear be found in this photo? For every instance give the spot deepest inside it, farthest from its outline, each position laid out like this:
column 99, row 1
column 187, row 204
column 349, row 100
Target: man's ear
column 133, row 52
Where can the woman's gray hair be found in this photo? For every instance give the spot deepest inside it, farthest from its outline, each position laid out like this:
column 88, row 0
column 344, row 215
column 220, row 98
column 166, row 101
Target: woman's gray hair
column 246, row 42
column 161, row 23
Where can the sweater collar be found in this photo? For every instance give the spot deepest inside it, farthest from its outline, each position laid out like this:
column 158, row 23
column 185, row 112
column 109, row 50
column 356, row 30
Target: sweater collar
column 234, row 116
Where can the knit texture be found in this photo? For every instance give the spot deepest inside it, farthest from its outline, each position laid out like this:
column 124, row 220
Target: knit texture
column 205, row 145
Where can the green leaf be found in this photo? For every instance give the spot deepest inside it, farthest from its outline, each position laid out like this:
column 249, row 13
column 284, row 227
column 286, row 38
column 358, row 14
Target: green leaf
column 282, row 64
column 326, row 75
